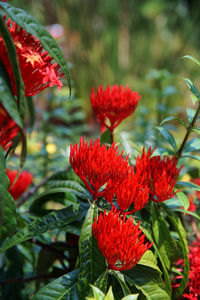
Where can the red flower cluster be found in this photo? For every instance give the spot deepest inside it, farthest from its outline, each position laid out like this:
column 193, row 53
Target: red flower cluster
column 192, row 291
column 164, row 175
column 98, row 166
column 36, row 66
column 131, row 191
column 8, row 129
column 119, row 240
column 113, row 104
column 21, row 184
column 151, row 178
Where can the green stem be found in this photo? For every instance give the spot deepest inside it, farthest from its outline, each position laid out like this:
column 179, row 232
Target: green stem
column 189, row 131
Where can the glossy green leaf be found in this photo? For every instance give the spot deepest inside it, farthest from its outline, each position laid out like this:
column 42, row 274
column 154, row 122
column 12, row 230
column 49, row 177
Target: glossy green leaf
column 63, row 288
column 149, row 260
column 148, row 282
column 54, row 220
column 98, row 294
column 121, row 280
column 184, row 199
column 14, row 62
column 192, row 87
column 190, row 114
column 7, row 205
column 109, row 295
column 175, row 220
column 164, row 269
column 7, row 98
column 92, row 262
column 172, row 118
column 192, row 145
column 8, row 224
column 31, row 109
column 168, row 137
column 165, row 242
column 32, row 26
column 131, row 297
column 189, row 185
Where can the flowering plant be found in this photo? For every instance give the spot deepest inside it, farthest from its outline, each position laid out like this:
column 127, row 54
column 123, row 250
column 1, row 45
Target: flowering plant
column 112, row 223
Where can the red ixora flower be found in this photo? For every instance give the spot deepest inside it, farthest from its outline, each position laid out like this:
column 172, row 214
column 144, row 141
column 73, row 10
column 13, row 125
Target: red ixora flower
column 119, row 240
column 21, row 185
column 132, row 191
column 98, row 166
column 37, row 70
column 192, row 291
column 8, row 129
column 164, row 175
column 113, row 104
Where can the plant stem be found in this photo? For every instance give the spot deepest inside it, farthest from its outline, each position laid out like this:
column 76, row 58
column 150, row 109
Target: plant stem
column 189, row 131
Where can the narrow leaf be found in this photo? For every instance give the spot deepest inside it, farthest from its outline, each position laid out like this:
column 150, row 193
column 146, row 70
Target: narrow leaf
column 168, row 137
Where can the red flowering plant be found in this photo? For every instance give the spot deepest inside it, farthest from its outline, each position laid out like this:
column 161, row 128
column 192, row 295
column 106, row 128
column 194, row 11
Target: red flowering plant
column 113, row 216
column 112, row 105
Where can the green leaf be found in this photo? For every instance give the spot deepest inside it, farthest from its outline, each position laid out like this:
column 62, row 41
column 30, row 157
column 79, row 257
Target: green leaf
column 109, row 295
column 192, row 145
column 188, row 213
column 189, row 185
column 193, row 59
column 32, row 26
column 147, row 281
column 7, row 205
column 8, row 224
column 166, row 243
column 131, row 297
column 192, row 87
column 191, row 156
column 149, row 260
column 101, row 283
column 186, row 203
column 183, row 241
column 14, row 62
column 54, row 220
column 106, row 137
column 97, row 293
column 92, row 262
column 168, row 137
column 63, row 288
column 7, row 98
column 121, row 280
column 165, row 272
column 175, row 119
column 196, row 130
column 190, row 114
column 31, row 109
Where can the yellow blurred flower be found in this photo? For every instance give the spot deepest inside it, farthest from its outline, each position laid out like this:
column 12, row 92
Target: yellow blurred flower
column 51, row 148
column 186, row 177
